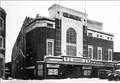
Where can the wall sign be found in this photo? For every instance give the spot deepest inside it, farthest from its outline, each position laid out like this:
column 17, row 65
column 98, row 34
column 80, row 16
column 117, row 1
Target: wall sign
column 87, row 67
column 54, row 59
column 53, row 66
column 77, row 60
column 71, row 16
column 66, row 58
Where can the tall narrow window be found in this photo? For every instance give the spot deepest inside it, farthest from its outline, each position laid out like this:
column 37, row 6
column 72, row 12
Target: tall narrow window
column 50, row 47
column 109, row 54
column 1, row 42
column 1, row 23
column 71, row 42
column 90, row 51
column 99, row 53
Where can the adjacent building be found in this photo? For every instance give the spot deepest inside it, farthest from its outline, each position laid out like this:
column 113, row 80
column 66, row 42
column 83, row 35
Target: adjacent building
column 2, row 41
column 66, row 44
column 116, row 58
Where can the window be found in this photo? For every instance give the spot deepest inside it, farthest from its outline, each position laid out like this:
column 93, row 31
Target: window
column 71, row 50
column 71, row 36
column 1, row 23
column 90, row 34
column 1, row 42
column 49, row 25
column 71, row 42
column 87, row 72
column 99, row 53
column 40, row 70
column 109, row 54
column 50, row 47
column 52, row 71
column 90, row 51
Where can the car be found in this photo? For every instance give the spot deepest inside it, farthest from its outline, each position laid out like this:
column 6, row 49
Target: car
column 114, row 75
column 103, row 74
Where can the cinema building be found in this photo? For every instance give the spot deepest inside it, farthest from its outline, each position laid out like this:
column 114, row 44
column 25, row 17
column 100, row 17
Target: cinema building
column 2, row 41
column 65, row 45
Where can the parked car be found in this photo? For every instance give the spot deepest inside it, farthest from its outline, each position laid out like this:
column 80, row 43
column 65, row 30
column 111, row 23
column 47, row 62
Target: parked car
column 115, row 75
column 103, row 74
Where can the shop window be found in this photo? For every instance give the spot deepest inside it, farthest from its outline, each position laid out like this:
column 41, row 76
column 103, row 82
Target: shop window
column 52, row 71
column 90, row 51
column 50, row 47
column 1, row 42
column 87, row 72
column 71, row 42
column 40, row 70
column 99, row 53
column 110, row 54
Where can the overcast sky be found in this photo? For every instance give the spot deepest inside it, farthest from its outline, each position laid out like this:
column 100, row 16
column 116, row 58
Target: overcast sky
column 107, row 12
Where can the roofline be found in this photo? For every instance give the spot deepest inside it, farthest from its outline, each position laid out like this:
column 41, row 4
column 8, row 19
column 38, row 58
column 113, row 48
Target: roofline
column 94, row 22
column 102, row 32
column 57, row 5
column 1, row 9
column 41, row 18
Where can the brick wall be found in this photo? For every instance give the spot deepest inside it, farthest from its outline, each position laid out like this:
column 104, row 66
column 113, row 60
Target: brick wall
column 105, row 44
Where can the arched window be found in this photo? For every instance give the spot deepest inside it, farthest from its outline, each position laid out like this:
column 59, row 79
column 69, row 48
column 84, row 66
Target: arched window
column 71, row 36
column 71, row 42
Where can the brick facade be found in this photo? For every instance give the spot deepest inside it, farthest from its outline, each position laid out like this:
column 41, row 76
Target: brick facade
column 2, row 41
column 38, row 63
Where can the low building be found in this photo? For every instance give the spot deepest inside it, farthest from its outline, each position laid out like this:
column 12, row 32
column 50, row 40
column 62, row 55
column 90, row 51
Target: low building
column 65, row 45
column 116, row 58
column 2, row 41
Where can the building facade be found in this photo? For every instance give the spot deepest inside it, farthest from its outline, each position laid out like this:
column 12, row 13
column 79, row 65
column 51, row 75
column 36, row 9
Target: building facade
column 116, row 58
column 64, row 45
column 2, row 41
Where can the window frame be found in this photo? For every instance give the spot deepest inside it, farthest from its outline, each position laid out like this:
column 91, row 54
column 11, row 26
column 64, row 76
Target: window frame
column 90, row 34
column 52, row 41
column 110, row 50
column 99, row 48
column 69, row 42
column 90, row 46
column 2, row 23
column 2, row 45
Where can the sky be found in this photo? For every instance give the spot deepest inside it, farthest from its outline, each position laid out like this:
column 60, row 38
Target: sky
column 107, row 12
